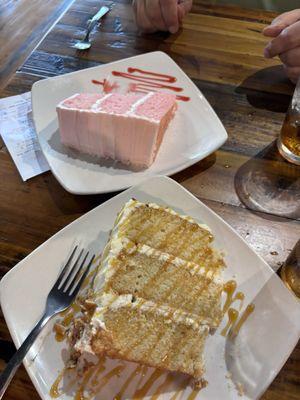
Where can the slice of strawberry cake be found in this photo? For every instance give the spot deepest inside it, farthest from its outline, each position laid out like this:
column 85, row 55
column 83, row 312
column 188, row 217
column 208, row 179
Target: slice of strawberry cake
column 125, row 127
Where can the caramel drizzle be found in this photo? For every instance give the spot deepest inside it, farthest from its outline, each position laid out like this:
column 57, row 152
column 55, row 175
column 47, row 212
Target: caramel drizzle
column 229, row 288
column 232, row 317
column 135, row 372
column 149, row 231
column 69, row 313
column 99, row 368
column 87, row 280
column 140, row 393
column 68, row 316
column 175, row 395
column 202, row 288
column 234, row 325
column 153, row 280
column 185, row 242
column 106, row 378
column 193, row 394
column 200, row 255
column 248, row 311
column 142, row 375
column 169, row 379
column 135, row 215
column 79, row 395
column 240, row 296
column 54, row 391
column 180, row 389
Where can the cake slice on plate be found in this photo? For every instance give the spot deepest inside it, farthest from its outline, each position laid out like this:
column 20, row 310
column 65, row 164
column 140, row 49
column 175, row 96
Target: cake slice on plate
column 154, row 304
column 125, row 127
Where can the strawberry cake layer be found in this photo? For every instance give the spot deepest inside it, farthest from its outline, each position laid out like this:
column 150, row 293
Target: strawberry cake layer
column 125, row 127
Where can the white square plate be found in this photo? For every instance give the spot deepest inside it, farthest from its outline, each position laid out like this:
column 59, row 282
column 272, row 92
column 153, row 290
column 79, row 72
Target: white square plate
column 251, row 359
column 194, row 133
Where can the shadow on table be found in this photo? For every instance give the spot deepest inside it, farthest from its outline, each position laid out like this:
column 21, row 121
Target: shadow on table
column 195, row 169
column 268, row 89
column 90, row 162
column 269, row 184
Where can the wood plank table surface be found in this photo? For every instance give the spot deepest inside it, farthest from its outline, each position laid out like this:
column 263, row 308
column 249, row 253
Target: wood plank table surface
column 220, row 49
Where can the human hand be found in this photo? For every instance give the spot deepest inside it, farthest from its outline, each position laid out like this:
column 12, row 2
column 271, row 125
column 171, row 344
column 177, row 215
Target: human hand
column 285, row 29
column 160, row 15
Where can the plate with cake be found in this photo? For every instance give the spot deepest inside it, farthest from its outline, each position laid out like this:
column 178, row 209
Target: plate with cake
column 178, row 305
column 109, row 127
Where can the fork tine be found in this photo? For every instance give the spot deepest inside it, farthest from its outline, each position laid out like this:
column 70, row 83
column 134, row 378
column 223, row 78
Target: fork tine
column 70, row 285
column 77, row 287
column 63, row 271
column 65, row 284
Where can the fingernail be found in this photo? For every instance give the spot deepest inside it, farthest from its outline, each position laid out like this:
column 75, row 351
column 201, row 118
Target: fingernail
column 267, row 52
column 173, row 29
column 276, row 21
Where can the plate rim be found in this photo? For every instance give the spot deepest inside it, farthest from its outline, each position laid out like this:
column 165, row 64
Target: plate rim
column 15, row 269
column 174, row 170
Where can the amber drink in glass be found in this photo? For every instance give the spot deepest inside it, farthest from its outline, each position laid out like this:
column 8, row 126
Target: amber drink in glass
column 289, row 138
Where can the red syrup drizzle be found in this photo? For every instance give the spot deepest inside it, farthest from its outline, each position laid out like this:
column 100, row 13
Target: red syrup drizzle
column 149, row 81
column 145, row 83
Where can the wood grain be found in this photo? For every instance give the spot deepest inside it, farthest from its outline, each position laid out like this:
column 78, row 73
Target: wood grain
column 22, row 25
column 220, row 48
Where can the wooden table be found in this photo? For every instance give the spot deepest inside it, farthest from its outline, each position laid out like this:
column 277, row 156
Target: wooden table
column 220, row 48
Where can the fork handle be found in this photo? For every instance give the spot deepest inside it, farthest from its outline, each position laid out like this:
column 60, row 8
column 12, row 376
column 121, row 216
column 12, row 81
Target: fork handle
column 17, row 358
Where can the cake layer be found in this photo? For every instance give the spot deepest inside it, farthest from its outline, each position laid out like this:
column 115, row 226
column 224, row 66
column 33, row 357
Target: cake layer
column 128, row 128
column 163, row 229
column 136, row 330
column 166, row 280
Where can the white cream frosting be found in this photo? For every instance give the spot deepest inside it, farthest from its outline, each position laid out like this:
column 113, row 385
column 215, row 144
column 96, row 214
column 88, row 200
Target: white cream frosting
column 95, row 107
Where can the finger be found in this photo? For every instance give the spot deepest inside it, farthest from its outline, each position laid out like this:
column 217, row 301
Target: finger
column 273, row 30
column 185, row 6
column 142, row 20
column 288, row 39
column 181, row 14
column 154, row 15
column 291, row 58
column 293, row 73
column 170, row 14
column 281, row 22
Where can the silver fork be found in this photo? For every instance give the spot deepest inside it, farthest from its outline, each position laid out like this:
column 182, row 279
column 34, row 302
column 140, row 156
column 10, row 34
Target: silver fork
column 85, row 43
column 60, row 297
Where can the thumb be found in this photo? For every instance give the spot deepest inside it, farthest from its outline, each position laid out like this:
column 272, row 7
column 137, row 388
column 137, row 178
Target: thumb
column 281, row 22
column 181, row 13
column 184, row 6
